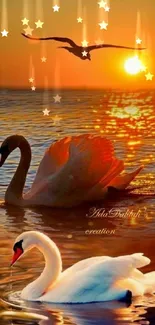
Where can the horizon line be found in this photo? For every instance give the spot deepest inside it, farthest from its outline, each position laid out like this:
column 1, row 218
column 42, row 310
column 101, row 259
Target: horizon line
column 75, row 88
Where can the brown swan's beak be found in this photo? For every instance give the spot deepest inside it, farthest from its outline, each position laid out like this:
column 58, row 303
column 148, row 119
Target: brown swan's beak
column 16, row 255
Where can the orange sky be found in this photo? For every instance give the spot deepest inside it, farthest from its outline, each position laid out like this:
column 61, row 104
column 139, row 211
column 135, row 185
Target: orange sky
column 62, row 69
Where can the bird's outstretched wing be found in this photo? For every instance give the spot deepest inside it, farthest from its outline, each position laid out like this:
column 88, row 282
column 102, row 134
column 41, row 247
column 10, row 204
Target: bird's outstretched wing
column 100, row 46
column 59, row 39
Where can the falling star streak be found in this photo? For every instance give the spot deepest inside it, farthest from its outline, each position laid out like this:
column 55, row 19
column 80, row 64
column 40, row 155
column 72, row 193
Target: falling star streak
column 26, row 10
column 31, row 72
column 79, row 11
column 84, row 32
column 46, row 95
column 103, row 17
column 4, row 19
column 39, row 14
column 138, row 28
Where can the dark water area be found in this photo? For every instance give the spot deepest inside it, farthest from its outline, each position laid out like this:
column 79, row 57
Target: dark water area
column 128, row 119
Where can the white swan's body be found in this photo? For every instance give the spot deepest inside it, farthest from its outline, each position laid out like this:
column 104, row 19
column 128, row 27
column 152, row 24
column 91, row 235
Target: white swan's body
column 73, row 170
column 95, row 279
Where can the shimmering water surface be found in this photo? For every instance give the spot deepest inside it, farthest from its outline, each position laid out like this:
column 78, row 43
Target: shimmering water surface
column 128, row 119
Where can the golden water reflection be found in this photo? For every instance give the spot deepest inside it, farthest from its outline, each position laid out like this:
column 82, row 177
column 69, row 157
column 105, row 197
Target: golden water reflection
column 128, row 119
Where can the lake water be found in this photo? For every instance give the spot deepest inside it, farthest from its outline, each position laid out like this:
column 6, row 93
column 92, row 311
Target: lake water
column 128, row 119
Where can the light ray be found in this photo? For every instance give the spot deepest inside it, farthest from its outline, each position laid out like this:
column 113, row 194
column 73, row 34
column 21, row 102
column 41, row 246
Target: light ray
column 39, row 10
column 4, row 16
column 57, row 75
column 79, row 11
column 56, row 5
column 46, row 94
column 84, row 31
column 25, row 9
column 32, row 71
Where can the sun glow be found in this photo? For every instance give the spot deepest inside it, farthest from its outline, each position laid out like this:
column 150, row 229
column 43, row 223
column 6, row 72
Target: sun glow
column 133, row 65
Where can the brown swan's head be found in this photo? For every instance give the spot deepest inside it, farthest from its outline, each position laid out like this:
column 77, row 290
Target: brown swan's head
column 9, row 144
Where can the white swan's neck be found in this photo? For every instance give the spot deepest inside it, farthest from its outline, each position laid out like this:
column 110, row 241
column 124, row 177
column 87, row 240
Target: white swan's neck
column 51, row 272
column 14, row 191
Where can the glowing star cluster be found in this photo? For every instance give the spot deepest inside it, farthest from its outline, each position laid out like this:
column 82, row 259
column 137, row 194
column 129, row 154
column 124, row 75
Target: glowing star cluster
column 4, row 33
column 84, row 43
column 25, row 21
column 84, row 53
column 103, row 25
column 57, row 98
column 56, row 120
column 28, row 31
column 107, row 8
column 39, row 24
column 99, row 42
column 102, row 4
column 138, row 41
column 31, row 80
column 44, row 59
column 79, row 20
column 56, row 8
column 46, row 112
column 149, row 76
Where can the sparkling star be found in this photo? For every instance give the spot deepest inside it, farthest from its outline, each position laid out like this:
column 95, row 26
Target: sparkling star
column 79, row 20
column 57, row 99
column 107, row 8
column 28, row 31
column 33, row 88
column 138, row 41
column 25, row 21
column 102, row 4
column 46, row 112
column 31, row 80
column 143, row 68
column 43, row 59
column 103, row 25
column 56, row 120
column 84, row 43
column 4, row 33
column 99, row 42
column 84, row 53
column 39, row 24
column 149, row 76
column 56, row 8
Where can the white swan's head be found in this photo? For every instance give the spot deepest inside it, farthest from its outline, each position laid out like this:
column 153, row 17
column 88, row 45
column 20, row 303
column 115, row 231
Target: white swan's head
column 23, row 243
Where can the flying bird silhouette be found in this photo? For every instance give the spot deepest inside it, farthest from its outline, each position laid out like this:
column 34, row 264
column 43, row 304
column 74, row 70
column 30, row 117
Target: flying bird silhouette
column 80, row 51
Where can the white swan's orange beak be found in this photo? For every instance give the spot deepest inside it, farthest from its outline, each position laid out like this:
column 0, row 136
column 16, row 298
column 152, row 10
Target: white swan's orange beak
column 16, row 255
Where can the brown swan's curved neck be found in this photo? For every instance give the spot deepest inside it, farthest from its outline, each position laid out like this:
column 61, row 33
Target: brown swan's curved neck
column 14, row 191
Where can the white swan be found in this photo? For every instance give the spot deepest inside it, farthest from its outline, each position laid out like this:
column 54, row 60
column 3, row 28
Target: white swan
column 95, row 279
column 73, row 170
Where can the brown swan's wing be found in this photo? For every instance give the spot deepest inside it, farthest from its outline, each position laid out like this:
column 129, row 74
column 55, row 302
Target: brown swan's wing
column 59, row 39
column 100, row 46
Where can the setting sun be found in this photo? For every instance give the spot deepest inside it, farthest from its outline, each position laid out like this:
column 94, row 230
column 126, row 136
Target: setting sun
column 133, row 65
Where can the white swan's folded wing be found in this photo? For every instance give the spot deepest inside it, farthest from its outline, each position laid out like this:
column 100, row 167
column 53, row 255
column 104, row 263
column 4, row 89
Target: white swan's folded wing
column 81, row 265
column 97, row 282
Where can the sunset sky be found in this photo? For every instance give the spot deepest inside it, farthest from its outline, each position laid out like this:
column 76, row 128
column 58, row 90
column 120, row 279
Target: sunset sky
column 20, row 57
